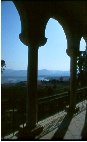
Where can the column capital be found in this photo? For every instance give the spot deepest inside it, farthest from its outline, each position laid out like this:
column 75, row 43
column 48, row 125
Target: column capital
column 72, row 52
column 37, row 42
column 73, row 44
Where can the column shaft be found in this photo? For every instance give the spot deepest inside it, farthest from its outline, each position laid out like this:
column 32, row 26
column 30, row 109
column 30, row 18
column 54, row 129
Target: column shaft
column 73, row 52
column 31, row 106
column 73, row 80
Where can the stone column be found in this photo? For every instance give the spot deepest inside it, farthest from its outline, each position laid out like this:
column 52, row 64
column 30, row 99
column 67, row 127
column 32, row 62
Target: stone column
column 72, row 51
column 73, row 80
column 31, row 105
column 33, row 43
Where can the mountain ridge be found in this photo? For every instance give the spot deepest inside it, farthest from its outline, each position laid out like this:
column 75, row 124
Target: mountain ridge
column 41, row 72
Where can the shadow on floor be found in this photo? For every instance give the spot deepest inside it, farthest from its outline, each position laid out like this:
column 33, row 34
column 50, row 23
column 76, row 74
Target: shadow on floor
column 60, row 133
column 84, row 131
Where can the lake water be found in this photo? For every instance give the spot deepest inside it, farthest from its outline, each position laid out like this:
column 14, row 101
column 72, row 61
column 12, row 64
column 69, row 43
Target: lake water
column 15, row 79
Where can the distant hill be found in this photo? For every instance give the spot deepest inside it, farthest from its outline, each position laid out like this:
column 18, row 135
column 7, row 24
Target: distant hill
column 42, row 72
column 53, row 73
column 10, row 72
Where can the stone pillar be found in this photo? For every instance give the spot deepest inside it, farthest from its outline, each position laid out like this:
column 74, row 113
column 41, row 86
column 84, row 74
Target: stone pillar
column 73, row 80
column 31, row 105
column 33, row 44
column 73, row 51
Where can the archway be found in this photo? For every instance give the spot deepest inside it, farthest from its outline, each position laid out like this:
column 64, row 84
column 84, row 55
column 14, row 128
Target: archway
column 73, row 43
column 82, row 44
column 15, row 55
column 82, row 64
column 57, row 45
column 53, row 62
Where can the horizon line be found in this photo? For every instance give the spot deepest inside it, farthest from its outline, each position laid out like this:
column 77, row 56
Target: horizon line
column 38, row 69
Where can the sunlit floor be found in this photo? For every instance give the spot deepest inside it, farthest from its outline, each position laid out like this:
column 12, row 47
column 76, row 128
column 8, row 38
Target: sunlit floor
column 63, row 126
column 60, row 126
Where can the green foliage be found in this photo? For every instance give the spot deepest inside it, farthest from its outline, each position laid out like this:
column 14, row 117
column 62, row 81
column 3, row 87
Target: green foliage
column 3, row 65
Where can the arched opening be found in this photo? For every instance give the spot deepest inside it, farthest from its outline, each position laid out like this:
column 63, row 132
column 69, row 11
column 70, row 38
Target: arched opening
column 54, row 51
column 82, row 64
column 13, row 51
column 82, row 44
column 53, row 64
column 80, row 58
column 13, row 95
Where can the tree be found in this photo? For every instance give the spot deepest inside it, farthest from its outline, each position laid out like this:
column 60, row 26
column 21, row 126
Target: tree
column 3, row 65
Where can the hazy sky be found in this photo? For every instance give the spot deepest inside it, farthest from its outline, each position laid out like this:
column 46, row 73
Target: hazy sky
column 51, row 56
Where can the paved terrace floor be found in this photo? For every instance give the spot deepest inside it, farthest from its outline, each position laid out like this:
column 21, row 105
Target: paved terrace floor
column 63, row 126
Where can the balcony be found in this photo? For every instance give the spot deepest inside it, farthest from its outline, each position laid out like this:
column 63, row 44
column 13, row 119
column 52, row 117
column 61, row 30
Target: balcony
column 53, row 115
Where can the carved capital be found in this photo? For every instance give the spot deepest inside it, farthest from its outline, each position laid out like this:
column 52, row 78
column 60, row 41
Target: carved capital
column 32, row 41
column 72, row 52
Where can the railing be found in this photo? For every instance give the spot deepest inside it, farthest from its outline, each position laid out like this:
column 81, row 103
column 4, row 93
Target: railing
column 52, row 104
column 12, row 118
column 13, row 108
column 55, row 103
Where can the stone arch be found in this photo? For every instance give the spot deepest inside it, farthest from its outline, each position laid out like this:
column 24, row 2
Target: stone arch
column 82, row 44
column 32, row 34
column 61, row 25
column 27, row 22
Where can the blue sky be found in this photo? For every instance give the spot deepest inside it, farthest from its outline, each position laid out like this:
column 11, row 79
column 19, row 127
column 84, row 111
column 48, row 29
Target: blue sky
column 51, row 56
